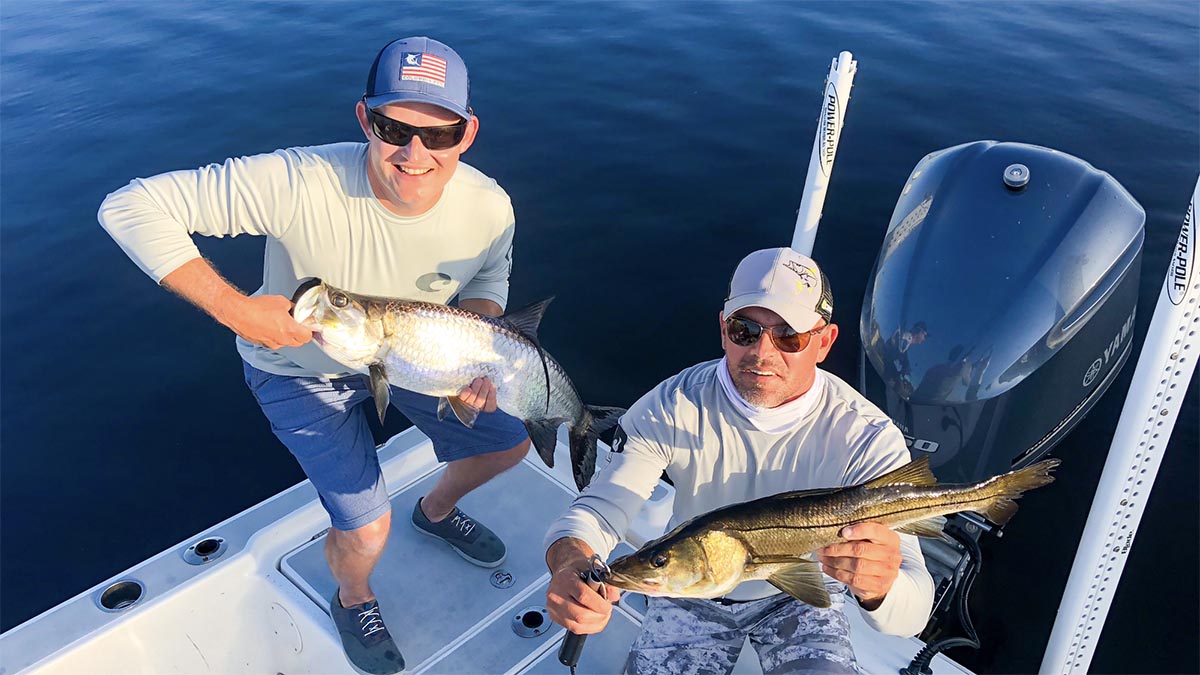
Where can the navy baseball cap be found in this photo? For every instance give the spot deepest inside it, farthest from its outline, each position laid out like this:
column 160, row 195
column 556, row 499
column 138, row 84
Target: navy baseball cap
column 419, row 69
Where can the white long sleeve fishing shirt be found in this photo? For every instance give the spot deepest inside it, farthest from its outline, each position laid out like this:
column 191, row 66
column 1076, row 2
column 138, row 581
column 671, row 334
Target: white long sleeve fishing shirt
column 321, row 219
column 690, row 427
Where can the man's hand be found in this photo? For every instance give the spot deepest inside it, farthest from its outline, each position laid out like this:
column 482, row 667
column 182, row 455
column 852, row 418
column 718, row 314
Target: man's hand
column 572, row 603
column 480, row 394
column 265, row 320
column 868, row 561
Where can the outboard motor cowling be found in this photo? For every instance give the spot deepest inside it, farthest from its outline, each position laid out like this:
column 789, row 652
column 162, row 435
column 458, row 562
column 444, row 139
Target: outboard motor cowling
column 1000, row 309
column 1001, row 305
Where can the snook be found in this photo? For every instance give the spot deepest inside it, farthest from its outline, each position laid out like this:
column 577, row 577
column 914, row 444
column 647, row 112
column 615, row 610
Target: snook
column 771, row 538
column 437, row 350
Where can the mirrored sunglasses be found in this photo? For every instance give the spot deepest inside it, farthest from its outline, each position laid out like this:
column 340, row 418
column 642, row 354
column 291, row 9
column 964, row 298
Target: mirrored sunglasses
column 743, row 332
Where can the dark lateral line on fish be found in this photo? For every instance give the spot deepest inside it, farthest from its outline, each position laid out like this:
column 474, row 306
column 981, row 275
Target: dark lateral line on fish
column 846, row 524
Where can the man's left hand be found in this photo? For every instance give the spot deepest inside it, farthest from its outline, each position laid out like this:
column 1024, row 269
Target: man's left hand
column 868, row 561
column 480, row 394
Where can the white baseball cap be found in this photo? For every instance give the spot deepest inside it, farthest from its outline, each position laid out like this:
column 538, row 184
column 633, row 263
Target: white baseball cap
column 785, row 282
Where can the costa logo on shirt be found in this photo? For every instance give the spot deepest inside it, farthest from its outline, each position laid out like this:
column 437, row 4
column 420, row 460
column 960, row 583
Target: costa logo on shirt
column 433, row 281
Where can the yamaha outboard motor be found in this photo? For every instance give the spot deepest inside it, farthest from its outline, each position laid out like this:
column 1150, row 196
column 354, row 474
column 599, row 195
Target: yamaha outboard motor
column 1000, row 309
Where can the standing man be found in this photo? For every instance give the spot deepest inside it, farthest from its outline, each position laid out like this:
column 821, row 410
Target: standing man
column 395, row 216
column 760, row 421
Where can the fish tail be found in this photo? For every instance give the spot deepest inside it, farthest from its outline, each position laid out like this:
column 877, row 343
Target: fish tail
column 1005, row 489
column 595, row 421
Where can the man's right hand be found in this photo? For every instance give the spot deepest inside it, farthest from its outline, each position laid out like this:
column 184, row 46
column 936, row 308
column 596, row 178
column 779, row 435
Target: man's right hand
column 571, row 602
column 265, row 320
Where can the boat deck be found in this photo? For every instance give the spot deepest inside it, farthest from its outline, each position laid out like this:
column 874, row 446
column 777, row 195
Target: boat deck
column 262, row 606
column 427, row 592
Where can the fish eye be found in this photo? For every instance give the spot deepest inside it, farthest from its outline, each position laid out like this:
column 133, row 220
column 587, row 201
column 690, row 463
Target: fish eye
column 339, row 300
column 658, row 560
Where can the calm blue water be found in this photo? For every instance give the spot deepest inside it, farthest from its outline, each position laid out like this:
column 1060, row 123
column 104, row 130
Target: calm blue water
column 647, row 147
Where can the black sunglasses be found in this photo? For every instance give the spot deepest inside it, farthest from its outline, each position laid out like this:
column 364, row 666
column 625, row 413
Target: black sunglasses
column 744, row 332
column 395, row 132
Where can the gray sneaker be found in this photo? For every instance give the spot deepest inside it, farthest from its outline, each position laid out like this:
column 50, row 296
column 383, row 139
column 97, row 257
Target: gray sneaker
column 467, row 536
column 368, row 645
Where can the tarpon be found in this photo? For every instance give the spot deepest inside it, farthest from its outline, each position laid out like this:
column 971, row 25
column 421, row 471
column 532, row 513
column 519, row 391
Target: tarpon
column 773, row 538
column 437, row 350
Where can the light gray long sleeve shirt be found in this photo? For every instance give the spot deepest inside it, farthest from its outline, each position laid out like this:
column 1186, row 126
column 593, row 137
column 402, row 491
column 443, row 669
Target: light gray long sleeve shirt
column 321, row 218
column 689, row 427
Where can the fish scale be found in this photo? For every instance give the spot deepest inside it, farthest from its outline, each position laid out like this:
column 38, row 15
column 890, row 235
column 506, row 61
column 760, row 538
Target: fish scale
column 438, row 350
column 434, row 349
column 823, row 518
column 772, row 538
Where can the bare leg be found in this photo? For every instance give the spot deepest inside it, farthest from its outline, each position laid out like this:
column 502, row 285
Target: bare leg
column 352, row 555
column 463, row 475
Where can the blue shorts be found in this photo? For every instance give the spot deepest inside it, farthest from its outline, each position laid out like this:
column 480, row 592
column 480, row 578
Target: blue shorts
column 324, row 424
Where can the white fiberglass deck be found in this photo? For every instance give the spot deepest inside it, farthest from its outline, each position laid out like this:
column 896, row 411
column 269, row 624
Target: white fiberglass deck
column 262, row 606
column 445, row 614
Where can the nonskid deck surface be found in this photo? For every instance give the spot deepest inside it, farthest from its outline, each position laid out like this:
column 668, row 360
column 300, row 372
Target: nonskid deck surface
column 444, row 612
column 447, row 617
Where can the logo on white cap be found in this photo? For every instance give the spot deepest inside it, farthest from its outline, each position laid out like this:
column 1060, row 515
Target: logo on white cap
column 806, row 275
column 761, row 281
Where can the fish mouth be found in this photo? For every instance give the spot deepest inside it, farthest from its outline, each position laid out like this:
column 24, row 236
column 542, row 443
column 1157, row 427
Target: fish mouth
column 303, row 302
column 304, row 288
column 631, row 584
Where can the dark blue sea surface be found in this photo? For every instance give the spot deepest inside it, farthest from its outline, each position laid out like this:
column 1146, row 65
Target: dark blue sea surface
column 647, row 147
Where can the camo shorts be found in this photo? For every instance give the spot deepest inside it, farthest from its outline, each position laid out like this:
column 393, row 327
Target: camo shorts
column 683, row 636
column 324, row 424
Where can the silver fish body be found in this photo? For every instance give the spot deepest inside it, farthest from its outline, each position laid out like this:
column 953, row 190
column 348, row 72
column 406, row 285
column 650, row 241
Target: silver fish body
column 437, row 350
column 773, row 538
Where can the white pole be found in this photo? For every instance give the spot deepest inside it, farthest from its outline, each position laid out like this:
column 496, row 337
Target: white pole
column 820, row 166
column 1164, row 368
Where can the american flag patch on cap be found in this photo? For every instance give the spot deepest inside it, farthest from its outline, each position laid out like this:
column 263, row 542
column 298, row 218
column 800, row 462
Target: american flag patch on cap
column 424, row 68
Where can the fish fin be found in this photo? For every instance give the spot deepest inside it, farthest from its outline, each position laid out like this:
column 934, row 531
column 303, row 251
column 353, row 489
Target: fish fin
column 801, row 494
column 465, row 413
column 603, row 417
column 443, row 408
column 544, row 436
column 804, row 582
column 380, row 389
column 914, row 473
column 930, row 528
column 596, row 419
column 527, row 319
column 583, row 456
column 1000, row 511
column 1012, row 485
